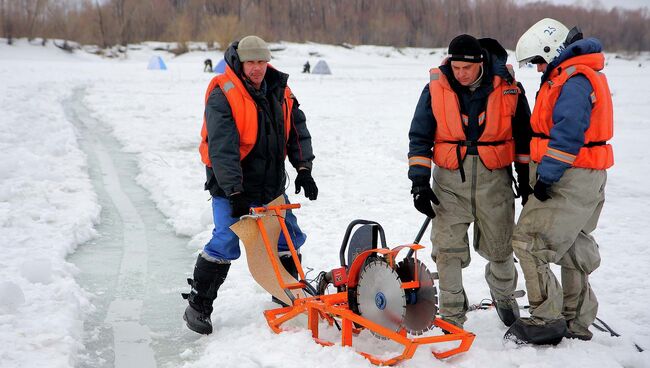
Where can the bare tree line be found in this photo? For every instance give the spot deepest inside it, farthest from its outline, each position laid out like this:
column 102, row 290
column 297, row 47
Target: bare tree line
column 421, row 23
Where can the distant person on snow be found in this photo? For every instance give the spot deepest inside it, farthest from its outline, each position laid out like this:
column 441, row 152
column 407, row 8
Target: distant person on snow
column 207, row 65
column 252, row 122
column 306, row 68
column 473, row 122
column 572, row 123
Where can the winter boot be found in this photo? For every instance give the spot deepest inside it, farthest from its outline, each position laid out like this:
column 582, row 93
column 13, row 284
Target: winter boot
column 507, row 310
column 208, row 277
column 450, row 321
column 576, row 331
column 290, row 266
column 535, row 331
column 583, row 337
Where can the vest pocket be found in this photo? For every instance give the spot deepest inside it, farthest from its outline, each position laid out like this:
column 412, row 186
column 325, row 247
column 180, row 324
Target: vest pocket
column 509, row 104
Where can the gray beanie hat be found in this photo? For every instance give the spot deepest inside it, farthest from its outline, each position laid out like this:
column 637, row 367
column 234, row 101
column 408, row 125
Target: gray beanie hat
column 253, row 48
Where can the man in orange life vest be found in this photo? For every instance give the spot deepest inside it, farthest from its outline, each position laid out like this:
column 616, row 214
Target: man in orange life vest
column 252, row 122
column 472, row 120
column 572, row 122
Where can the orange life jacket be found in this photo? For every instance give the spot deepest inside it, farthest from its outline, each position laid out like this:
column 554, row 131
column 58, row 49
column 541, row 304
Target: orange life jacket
column 596, row 152
column 496, row 146
column 244, row 112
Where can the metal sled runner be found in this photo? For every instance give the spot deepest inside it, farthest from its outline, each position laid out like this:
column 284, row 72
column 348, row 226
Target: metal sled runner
column 393, row 300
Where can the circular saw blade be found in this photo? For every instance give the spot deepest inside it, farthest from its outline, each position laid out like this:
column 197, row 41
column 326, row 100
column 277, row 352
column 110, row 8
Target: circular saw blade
column 421, row 307
column 380, row 297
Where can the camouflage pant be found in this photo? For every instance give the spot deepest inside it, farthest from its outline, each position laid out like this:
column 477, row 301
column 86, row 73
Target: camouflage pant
column 558, row 231
column 486, row 200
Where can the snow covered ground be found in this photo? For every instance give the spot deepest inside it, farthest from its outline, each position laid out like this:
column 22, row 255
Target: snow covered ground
column 359, row 119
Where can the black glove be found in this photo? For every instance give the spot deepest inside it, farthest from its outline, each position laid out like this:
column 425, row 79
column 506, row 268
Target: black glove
column 239, row 205
column 305, row 181
column 525, row 190
column 541, row 190
column 422, row 197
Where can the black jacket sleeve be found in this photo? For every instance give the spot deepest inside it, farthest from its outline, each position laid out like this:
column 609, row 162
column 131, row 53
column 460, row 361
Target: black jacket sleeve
column 521, row 129
column 223, row 143
column 299, row 149
column 421, row 134
column 522, row 133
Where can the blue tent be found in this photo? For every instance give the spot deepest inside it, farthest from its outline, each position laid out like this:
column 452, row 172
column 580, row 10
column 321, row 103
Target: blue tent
column 221, row 67
column 156, row 63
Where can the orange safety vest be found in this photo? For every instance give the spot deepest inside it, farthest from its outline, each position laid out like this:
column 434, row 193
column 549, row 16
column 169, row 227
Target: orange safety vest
column 596, row 153
column 496, row 146
column 244, row 112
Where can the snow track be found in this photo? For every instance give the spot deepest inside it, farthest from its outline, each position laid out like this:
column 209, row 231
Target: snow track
column 137, row 316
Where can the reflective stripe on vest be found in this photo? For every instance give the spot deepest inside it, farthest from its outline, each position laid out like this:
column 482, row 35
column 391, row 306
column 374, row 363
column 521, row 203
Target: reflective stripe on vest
column 495, row 146
column 596, row 153
column 244, row 112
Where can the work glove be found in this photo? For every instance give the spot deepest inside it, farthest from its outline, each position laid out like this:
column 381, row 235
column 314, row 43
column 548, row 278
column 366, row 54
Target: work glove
column 239, row 205
column 541, row 190
column 306, row 182
column 525, row 190
column 423, row 196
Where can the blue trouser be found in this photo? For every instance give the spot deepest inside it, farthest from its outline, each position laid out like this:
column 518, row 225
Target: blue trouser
column 224, row 244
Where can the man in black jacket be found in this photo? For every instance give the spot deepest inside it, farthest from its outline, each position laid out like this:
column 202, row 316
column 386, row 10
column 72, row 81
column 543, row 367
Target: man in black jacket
column 252, row 122
column 472, row 121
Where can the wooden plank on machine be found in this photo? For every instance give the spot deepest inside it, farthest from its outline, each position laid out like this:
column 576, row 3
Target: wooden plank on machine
column 259, row 264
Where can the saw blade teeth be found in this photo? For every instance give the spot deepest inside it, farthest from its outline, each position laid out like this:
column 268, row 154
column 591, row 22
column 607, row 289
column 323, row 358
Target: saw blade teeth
column 419, row 316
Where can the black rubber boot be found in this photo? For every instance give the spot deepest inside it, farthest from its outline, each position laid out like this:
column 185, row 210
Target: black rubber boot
column 528, row 331
column 507, row 313
column 208, row 277
column 289, row 265
column 507, row 310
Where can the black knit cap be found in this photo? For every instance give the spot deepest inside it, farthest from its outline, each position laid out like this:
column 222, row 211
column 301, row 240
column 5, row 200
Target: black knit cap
column 465, row 48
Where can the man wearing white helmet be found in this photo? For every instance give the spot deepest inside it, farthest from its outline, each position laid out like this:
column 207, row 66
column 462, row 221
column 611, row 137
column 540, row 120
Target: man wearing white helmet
column 572, row 123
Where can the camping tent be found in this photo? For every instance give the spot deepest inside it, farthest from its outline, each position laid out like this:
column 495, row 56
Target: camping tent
column 221, row 67
column 321, row 68
column 156, row 63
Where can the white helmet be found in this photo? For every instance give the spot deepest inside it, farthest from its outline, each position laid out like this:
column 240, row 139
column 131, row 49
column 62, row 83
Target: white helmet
column 544, row 39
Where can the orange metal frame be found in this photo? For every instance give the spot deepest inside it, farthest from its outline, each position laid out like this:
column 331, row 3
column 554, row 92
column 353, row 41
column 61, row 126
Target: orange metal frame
column 333, row 307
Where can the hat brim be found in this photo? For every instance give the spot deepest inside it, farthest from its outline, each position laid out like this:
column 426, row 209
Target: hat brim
column 467, row 58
